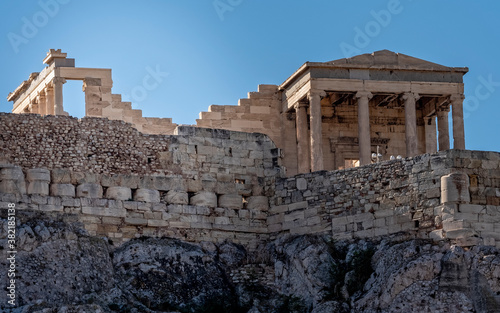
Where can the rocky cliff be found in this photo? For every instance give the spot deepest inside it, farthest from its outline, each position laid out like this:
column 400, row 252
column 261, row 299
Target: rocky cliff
column 63, row 269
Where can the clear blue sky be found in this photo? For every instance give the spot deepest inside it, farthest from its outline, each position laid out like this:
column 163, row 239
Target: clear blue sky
column 216, row 52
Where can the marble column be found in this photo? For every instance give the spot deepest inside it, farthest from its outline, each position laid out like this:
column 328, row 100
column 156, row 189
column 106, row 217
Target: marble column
column 364, row 127
column 457, row 115
column 316, row 130
column 58, row 95
column 411, row 123
column 430, row 134
column 444, row 133
column 34, row 107
column 50, row 100
column 42, row 102
column 303, row 155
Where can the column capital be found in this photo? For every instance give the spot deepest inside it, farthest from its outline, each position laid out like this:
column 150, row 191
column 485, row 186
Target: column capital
column 58, row 80
column 457, row 97
column 363, row 94
column 409, row 95
column 316, row 93
column 443, row 109
column 304, row 103
column 41, row 94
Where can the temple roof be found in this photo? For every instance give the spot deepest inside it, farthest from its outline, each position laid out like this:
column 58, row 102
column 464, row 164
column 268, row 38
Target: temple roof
column 383, row 60
column 389, row 59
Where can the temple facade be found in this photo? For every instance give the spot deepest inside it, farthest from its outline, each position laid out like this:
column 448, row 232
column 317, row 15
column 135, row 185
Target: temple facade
column 326, row 116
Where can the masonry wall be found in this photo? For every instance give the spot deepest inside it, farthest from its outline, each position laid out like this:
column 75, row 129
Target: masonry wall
column 392, row 197
column 196, row 185
column 260, row 112
column 214, row 185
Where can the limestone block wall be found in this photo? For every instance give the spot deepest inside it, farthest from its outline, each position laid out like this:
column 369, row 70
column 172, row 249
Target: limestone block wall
column 121, row 207
column 260, row 112
column 196, row 185
column 392, row 197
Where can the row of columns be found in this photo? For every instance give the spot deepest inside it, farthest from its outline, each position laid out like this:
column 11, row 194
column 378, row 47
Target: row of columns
column 49, row 101
column 310, row 146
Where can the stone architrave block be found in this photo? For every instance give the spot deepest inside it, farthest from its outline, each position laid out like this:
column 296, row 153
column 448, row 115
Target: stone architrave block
column 62, row 190
column 147, row 195
column 231, row 201
column 119, row 193
column 177, row 197
column 38, row 174
column 89, row 190
column 204, row 198
column 258, row 203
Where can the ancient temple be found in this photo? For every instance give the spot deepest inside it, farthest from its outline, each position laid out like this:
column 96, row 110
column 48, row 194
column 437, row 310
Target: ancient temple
column 325, row 116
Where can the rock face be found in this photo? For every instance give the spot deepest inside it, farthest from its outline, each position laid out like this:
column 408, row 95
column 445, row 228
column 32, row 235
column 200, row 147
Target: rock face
column 63, row 269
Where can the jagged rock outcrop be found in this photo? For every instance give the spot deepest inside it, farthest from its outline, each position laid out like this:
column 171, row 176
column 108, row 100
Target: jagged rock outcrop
column 63, row 269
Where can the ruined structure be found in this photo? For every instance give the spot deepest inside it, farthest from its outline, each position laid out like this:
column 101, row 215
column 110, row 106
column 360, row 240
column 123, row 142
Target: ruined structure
column 130, row 212
column 341, row 111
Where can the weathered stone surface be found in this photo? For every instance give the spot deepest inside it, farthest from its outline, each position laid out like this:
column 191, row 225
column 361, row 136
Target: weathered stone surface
column 204, row 198
column 258, row 203
column 231, row 201
column 89, row 190
column 455, row 188
column 11, row 173
column 177, row 197
column 13, row 186
column 62, row 190
column 35, row 174
column 119, row 193
column 38, row 187
column 60, row 176
column 147, row 195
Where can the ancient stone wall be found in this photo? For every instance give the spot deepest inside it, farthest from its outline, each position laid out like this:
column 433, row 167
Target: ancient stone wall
column 395, row 196
column 196, row 185
column 208, row 184
column 260, row 112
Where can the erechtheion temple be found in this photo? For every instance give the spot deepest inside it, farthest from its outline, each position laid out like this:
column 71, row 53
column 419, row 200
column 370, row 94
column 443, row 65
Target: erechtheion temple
column 339, row 112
